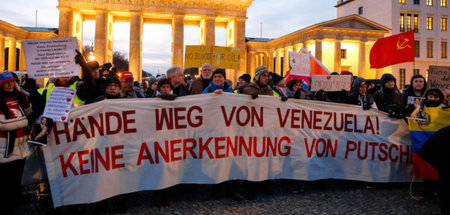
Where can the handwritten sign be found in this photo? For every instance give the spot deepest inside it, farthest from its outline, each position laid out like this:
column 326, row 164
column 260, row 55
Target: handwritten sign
column 51, row 58
column 217, row 56
column 439, row 77
column 59, row 103
column 300, row 64
column 330, row 83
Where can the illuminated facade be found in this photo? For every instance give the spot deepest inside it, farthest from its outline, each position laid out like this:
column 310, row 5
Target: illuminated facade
column 340, row 44
column 206, row 14
column 11, row 38
column 428, row 19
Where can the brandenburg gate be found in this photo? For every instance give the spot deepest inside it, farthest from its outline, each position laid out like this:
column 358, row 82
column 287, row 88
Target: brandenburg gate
column 206, row 14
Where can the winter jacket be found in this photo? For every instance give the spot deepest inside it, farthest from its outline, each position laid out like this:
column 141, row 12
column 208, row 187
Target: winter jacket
column 255, row 88
column 388, row 100
column 366, row 101
column 198, row 85
column 16, row 124
column 212, row 87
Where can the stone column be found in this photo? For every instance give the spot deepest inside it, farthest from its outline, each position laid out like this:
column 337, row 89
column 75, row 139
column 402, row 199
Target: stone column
column 177, row 39
column 2, row 52
column 266, row 60
column 65, row 22
column 270, row 61
column 297, row 47
column 362, row 59
column 318, row 52
column 252, row 63
column 337, row 56
column 208, row 31
column 22, row 64
column 278, row 61
column 286, row 59
column 12, row 64
column 136, row 26
column 101, row 36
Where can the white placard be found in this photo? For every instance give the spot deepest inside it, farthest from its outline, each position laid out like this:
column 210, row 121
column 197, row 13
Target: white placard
column 329, row 83
column 51, row 58
column 300, row 64
column 59, row 103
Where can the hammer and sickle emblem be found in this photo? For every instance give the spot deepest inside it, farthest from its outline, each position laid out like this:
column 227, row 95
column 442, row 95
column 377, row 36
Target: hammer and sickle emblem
column 403, row 44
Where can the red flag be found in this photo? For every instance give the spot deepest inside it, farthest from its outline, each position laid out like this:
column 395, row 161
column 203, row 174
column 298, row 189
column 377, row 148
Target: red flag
column 392, row 50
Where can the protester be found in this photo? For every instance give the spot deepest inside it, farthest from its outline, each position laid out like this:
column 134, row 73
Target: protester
column 359, row 95
column 164, row 90
column 176, row 77
column 244, row 80
column 14, row 109
column 127, row 82
column 85, row 88
column 99, row 79
column 112, row 90
column 435, row 151
column 279, row 85
column 137, row 87
column 199, row 84
column 434, row 98
column 388, row 98
column 152, row 87
column 417, row 88
column 218, row 84
column 144, row 86
column 260, row 85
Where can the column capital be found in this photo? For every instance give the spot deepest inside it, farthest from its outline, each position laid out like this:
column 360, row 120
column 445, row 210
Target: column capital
column 64, row 9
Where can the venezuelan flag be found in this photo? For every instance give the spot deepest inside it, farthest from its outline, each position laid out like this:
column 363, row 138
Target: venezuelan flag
column 435, row 119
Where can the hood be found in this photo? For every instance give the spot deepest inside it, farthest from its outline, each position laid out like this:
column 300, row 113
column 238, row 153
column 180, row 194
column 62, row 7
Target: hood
column 387, row 77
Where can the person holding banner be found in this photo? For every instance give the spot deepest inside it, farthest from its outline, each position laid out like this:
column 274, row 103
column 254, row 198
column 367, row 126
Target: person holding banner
column 112, row 90
column 434, row 98
column 199, row 84
column 388, row 98
column 359, row 95
column 127, row 83
column 261, row 84
column 14, row 109
column 176, row 77
column 218, row 84
column 244, row 80
column 85, row 88
column 279, row 85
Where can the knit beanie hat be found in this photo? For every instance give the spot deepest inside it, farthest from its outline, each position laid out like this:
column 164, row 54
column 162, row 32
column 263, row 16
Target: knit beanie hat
column 219, row 71
column 259, row 71
column 6, row 76
column 164, row 81
column 276, row 78
column 112, row 80
column 246, row 77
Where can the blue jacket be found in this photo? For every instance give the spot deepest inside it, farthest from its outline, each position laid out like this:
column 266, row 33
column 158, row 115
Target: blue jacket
column 212, row 87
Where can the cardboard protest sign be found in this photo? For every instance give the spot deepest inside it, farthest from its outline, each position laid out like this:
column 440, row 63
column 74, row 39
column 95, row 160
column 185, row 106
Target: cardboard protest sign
column 59, row 103
column 439, row 77
column 300, row 64
column 329, row 83
column 151, row 144
column 217, row 56
column 51, row 58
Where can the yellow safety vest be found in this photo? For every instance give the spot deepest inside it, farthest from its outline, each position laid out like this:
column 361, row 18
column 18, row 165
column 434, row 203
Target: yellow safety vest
column 49, row 88
column 275, row 93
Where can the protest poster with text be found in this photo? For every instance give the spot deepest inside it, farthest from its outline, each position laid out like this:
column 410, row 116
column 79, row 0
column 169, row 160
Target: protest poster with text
column 217, row 56
column 51, row 58
column 439, row 77
column 150, row 144
column 331, row 83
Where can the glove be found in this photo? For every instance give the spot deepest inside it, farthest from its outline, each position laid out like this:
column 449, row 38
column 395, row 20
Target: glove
column 169, row 97
column 409, row 109
column 30, row 85
column 284, row 98
column 254, row 95
column 79, row 59
column 366, row 107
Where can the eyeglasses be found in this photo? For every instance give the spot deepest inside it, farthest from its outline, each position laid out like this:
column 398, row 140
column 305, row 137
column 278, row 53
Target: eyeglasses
column 265, row 75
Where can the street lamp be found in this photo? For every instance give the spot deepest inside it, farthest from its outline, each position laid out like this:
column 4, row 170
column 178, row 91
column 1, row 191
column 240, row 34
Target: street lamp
column 91, row 56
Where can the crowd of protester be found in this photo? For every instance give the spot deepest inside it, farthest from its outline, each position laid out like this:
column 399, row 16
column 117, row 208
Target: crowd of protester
column 22, row 102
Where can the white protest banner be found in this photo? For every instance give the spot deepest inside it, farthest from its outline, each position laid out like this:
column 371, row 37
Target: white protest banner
column 439, row 77
column 329, row 83
column 121, row 146
column 51, row 58
column 300, row 64
column 58, row 104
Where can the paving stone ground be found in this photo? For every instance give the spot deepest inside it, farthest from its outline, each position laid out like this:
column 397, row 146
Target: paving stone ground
column 283, row 197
